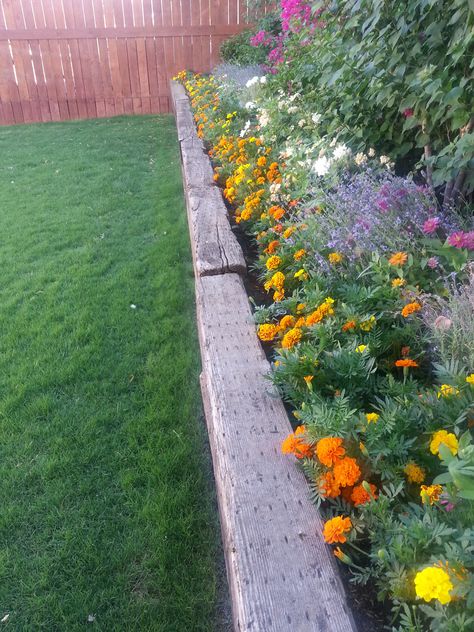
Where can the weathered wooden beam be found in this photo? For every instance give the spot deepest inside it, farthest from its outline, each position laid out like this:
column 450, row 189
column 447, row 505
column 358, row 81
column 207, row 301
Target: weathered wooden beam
column 281, row 574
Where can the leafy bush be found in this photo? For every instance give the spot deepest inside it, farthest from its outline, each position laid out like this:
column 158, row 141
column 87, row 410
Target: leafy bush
column 240, row 49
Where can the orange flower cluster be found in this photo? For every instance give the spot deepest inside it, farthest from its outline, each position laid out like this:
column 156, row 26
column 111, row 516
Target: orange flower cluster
column 411, row 308
column 336, row 528
column 406, row 363
column 325, row 309
column 294, row 444
column 273, row 173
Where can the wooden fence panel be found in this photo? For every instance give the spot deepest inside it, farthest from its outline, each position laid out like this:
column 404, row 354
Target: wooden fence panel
column 69, row 59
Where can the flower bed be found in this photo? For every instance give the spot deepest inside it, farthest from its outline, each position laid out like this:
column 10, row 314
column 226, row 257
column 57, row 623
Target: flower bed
column 370, row 318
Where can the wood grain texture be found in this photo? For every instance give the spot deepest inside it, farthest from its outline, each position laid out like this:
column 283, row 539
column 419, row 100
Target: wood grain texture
column 214, row 245
column 281, row 574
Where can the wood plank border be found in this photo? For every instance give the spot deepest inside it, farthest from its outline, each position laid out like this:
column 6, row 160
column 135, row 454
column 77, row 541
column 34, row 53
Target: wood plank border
column 282, row 576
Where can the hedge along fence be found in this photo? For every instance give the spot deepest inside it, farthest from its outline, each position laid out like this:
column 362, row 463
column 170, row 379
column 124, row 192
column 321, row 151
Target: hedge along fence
column 281, row 575
column 67, row 59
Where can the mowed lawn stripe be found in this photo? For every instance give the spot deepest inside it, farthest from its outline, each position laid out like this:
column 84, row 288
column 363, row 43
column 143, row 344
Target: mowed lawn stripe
column 107, row 507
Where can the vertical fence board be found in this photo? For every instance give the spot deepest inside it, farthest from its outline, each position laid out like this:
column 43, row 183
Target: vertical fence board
column 112, row 63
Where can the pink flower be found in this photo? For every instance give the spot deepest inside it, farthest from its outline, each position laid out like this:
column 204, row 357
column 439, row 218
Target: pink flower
column 408, row 112
column 462, row 240
column 258, row 38
column 432, row 262
column 431, row 225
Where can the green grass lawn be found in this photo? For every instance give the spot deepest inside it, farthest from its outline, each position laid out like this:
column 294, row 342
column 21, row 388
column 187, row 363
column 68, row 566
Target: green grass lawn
column 107, row 507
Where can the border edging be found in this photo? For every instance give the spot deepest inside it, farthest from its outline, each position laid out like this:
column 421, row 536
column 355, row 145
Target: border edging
column 281, row 574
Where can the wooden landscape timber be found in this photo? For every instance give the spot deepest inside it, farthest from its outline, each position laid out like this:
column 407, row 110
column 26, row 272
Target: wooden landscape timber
column 282, row 576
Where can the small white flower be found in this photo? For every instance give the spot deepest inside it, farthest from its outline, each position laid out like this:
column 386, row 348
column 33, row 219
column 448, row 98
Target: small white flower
column 384, row 160
column 250, row 105
column 341, row 151
column 263, row 79
column 371, row 152
column 316, row 118
column 321, row 166
column 301, row 123
column 133, row 306
column 292, row 109
column 251, row 82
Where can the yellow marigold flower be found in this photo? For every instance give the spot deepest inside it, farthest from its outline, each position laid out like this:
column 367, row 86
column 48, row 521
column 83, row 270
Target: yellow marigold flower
column 372, row 418
column 278, row 280
column 299, row 254
column 300, row 307
column 267, row 332
column 398, row 282
column 291, row 338
column 446, row 438
column 361, row 348
column 335, row 258
column 273, row 262
column 470, row 379
column 278, row 295
column 246, row 214
column 301, row 274
column 335, row 529
column 433, row 583
column 287, row 321
column 446, row 390
column 300, row 322
column 430, row 493
column 289, row 231
column 368, row 325
column 329, row 450
column 414, row 473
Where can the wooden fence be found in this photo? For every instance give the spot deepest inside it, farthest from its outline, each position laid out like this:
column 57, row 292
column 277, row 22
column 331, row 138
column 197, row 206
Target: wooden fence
column 68, row 59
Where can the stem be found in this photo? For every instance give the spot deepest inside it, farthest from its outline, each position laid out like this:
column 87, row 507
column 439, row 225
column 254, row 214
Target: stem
column 354, row 546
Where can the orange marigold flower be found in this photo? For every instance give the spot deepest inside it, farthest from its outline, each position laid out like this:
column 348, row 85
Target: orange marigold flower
column 289, row 231
column 351, row 324
column 272, row 246
column 278, row 295
column 406, row 362
column 299, row 254
column 335, row 529
column 360, row 496
column 267, row 332
column 411, row 308
column 273, row 262
column 328, row 486
column 261, row 161
column 291, row 338
column 287, row 321
column 329, row 450
column 346, row 471
column 430, row 493
column 294, row 444
column 398, row 259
